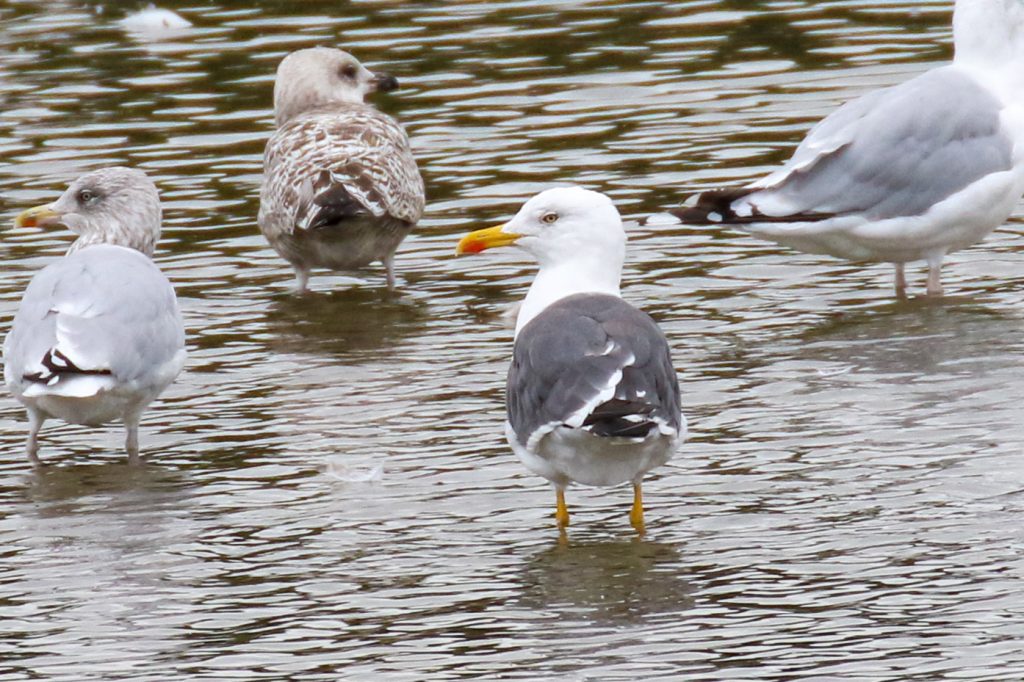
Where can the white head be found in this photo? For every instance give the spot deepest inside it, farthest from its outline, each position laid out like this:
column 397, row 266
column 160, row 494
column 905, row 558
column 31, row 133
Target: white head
column 559, row 225
column 575, row 234
column 115, row 205
column 322, row 76
column 989, row 35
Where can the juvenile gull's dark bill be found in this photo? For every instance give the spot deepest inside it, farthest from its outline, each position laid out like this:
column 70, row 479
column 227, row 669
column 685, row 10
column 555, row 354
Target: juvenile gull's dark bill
column 98, row 335
column 906, row 173
column 592, row 396
column 340, row 185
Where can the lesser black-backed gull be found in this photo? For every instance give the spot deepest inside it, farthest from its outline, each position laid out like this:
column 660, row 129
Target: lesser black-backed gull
column 906, row 173
column 592, row 396
column 98, row 334
column 340, row 185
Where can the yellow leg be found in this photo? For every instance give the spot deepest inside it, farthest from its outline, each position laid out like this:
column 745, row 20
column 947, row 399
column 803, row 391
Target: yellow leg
column 561, row 511
column 636, row 514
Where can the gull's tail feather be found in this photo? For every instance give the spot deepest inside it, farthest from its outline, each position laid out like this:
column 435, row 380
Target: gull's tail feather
column 718, row 207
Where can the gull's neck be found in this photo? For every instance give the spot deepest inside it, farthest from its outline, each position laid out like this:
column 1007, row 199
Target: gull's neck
column 118, row 235
column 290, row 104
column 989, row 41
column 586, row 274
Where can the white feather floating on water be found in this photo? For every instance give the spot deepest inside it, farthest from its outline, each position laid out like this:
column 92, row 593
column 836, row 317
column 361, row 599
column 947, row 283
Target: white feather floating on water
column 154, row 20
column 336, row 469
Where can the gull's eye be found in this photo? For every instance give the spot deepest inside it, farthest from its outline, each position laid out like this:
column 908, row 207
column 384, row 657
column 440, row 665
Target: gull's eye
column 549, row 218
column 86, row 195
column 349, row 71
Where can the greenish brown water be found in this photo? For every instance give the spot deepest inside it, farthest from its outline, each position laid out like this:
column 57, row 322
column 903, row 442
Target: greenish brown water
column 848, row 506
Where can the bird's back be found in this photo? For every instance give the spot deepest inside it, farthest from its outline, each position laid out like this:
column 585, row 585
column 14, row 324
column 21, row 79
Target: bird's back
column 592, row 361
column 101, row 318
column 336, row 163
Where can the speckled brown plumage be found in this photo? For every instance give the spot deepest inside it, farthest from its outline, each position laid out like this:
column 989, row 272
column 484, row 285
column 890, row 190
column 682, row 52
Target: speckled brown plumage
column 340, row 185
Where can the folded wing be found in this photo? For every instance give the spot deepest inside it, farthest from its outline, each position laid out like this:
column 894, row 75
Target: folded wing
column 328, row 166
column 593, row 362
column 101, row 318
column 892, row 153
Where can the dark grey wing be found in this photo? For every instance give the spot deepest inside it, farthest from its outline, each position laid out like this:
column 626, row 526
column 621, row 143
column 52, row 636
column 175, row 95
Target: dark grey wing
column 592, row 361
column 892, row 153
column 331, row 165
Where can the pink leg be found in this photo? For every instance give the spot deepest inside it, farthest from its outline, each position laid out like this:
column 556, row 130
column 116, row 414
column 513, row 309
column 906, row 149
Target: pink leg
column 301, row 280
column 901, row 281
column 389, row 267
column 35, row 423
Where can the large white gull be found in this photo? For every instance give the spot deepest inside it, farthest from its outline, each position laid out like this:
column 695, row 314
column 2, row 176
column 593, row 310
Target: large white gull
column 98, row 334
column 592, row 396
column 907, row 173
column 340, row 185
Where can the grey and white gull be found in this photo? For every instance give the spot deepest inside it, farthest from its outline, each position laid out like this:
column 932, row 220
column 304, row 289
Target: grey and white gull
column 906, row 173
column 341, row 188
column 592, row 395
column 98, row 335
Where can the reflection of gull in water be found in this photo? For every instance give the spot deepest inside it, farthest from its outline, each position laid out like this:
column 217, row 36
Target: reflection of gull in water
column 100, row 548
column 349, row 324
column 130, row 485
column 615, row 582
column 907, row 173
column 914, row 337
column 924, row 377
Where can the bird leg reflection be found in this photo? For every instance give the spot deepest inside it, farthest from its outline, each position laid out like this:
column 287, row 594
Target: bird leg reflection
column 934, row 274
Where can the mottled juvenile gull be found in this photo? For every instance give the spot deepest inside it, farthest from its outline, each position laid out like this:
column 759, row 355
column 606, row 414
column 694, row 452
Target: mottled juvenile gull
column 592, row 396
column 907, row 173
column 340, row 184
column 98, row 334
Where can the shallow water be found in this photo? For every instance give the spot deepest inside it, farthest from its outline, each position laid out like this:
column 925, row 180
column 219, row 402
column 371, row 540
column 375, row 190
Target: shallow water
column 847, row 507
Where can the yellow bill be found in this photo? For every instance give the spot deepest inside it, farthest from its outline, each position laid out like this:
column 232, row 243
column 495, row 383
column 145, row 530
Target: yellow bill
column 37, row 216
column 488, row 238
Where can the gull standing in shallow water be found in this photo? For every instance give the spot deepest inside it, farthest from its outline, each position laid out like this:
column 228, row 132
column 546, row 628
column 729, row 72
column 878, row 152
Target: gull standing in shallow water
column 592, row 396
column 907, row 173
column 340, row 185
column 98, row 334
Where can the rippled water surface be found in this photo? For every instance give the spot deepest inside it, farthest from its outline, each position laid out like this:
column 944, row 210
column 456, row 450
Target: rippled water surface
column 849, row 505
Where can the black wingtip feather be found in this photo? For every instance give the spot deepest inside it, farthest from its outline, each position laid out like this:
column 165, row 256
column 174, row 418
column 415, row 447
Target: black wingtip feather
column 609, row 419
column 333, row 206
column 58, row 364
column 714, row 207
